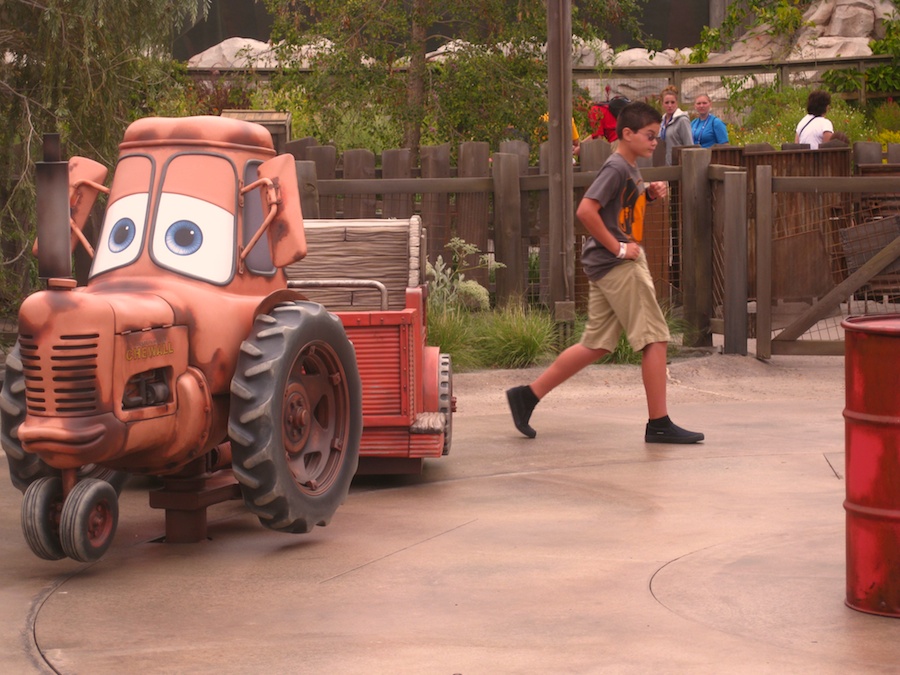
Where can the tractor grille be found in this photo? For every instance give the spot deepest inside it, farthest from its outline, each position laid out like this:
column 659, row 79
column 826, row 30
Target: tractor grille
column 61, row 375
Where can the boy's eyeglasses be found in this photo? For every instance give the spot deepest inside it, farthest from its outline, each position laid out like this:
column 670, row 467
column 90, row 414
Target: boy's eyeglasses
column 649, row 136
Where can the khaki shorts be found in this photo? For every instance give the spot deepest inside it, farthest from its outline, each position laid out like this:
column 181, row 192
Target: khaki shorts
column 624, row 299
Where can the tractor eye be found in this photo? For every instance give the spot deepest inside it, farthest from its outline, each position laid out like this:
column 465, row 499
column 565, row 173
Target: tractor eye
column 121, row 235
column 184, row 237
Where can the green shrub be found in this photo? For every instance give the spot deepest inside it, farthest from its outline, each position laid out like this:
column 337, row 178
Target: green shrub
column 771, row 116
column 887, row 116
column 886, row 77
column 768, row 17
column 514, row 337
column 843, row 80
column 473, row 296
column 886, row 137
column 517, row 337
column 453, row 330
column 447, row 280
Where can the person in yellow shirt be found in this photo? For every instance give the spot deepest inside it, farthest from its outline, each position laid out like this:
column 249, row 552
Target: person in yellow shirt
column 576, row 140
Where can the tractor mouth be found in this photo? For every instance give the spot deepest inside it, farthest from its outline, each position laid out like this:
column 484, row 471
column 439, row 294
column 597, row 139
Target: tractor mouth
column 72, row 437
column 71, row 442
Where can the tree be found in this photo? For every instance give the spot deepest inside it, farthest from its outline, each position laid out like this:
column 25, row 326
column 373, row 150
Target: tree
column 84, row 69
column 362, row 63
column 774, row 17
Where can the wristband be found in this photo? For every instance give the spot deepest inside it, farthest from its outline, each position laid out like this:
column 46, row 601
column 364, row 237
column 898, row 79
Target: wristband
column 623, row 250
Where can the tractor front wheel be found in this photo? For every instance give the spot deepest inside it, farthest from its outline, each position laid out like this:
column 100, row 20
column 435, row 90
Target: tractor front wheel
column 89, row 518
column 296, row 417
column 41, row 509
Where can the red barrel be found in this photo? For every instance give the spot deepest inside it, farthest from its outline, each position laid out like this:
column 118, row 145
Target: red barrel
column 872, row 437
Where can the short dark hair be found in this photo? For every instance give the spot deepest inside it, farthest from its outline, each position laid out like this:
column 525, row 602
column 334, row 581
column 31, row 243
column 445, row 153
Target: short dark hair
column 636, row 116
column 817, row 102
column 616, row 104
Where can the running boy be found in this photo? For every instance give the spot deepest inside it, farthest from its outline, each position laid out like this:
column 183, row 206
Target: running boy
column 622, row 296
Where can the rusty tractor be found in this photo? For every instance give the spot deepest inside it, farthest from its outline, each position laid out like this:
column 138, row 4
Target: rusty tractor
column 188, row 355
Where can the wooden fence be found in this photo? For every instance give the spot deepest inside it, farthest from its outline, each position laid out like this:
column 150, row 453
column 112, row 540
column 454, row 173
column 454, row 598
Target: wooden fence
column 701, row 243
column 493, row 201
column 861, row 243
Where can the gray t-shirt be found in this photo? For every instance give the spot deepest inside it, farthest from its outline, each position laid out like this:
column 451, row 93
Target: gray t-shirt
column 620, row 190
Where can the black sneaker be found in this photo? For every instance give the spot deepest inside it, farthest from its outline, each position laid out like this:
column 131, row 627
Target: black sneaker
column 670, row 433
column 521, row 403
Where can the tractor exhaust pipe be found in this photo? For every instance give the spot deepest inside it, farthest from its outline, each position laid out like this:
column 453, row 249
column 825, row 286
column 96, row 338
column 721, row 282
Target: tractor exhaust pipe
column 52, row 184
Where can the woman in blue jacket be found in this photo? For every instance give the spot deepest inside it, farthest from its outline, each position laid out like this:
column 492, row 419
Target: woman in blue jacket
column 707, row 129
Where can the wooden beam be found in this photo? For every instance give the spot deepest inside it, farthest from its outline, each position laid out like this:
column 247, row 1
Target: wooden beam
column 764, row 217
column 736, row 287
column 562, row 208
column 841, row 292
column 508, row 242
column 697, row 243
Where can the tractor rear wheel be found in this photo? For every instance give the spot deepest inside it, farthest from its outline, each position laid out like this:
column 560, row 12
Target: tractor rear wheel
column 89, row 518
column 296, row 417
column 40, row 517
column 24, row 468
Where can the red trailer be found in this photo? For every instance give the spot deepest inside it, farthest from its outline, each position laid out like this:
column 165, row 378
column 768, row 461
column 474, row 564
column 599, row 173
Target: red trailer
column 408, row 401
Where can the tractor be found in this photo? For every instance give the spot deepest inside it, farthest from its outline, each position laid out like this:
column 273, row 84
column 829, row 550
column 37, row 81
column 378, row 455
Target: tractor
column 188, row 355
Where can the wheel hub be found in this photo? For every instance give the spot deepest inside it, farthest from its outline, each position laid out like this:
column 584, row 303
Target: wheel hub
column 99, row 524
column 296, row 419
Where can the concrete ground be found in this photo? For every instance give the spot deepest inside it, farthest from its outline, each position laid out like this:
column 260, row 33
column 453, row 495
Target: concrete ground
column 582, row 551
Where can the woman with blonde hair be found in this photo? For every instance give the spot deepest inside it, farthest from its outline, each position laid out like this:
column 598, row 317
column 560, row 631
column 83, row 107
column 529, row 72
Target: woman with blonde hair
column 675, row 128
column 708, row 129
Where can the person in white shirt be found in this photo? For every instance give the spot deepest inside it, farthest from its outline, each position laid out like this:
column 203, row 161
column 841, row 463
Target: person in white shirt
column 815, row 128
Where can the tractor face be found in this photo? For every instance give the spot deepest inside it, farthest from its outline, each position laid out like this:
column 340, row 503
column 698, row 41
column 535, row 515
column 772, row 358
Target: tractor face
column 132, row 371
column 92, row 377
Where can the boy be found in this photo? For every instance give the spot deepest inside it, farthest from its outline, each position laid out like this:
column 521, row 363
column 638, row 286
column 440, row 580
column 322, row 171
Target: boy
column 622, row 296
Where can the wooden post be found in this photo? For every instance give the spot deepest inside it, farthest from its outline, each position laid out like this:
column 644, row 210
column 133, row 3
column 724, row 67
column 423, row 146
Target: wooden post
column 736, row 263
column 359, row 164
column 562, row 209
column 764, row 213
column 593, row 153
column 508, row 243
column 521, row 150
column 299, row 147
column 436, row 207
column 472, row 207
column 325, row 158
column 397, row 164
column 696, row 271
column 717, row 12
column 543, row 226
column 529, row 231
column 862, row 85
column 309, row 188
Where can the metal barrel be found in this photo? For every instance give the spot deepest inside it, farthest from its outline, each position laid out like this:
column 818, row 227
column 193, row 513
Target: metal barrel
column 872, row 463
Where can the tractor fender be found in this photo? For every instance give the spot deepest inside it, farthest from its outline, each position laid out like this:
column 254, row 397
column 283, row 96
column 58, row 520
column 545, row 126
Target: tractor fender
column 278, row 297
